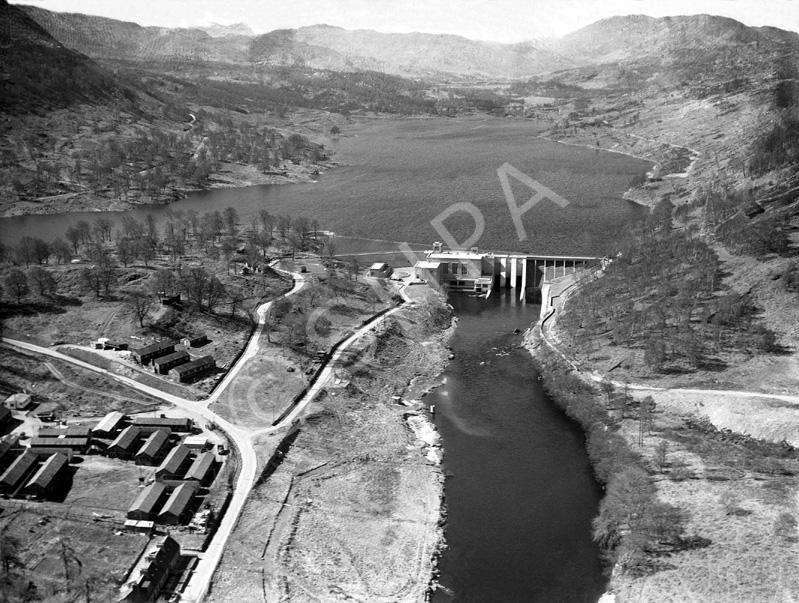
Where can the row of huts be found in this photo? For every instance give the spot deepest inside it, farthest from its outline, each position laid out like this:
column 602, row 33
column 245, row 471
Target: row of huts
column 30, row 473
column 179, row 365
column 169, row 498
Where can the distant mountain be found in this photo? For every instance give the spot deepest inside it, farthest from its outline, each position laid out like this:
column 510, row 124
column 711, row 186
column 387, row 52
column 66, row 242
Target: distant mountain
column 635, row 36
column 412, row 54
column 103, row 38
column 216, row 30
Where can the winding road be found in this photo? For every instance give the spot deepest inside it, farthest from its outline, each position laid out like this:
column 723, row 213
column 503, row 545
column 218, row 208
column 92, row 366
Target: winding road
column 240, row 436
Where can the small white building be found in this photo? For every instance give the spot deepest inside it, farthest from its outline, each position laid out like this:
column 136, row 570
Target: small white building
column 17, row 401
column 380, row 270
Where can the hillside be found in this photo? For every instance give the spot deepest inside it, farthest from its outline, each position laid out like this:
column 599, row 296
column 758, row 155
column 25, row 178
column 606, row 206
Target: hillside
column 635, row 36
column 103, row 38
column 39, row 73
column 77, row 136
column 701, row 297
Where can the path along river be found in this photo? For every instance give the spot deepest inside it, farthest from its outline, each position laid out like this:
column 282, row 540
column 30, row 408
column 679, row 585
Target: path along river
column 520, row 491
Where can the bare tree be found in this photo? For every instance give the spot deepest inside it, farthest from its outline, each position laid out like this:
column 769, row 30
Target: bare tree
column 139, row 302
column 214, row 292
column 162, row 282
column 17, row 284
column 43, row 280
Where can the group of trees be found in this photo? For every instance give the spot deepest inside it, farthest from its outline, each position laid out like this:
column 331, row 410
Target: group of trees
column 20, row 284
column 214, row 237
column 152, row 160
column 662, row 293
column 632, row 525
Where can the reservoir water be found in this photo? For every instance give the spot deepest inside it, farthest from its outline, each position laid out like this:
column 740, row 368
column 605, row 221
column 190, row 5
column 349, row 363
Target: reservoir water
column 520, row 492
column 397, row 175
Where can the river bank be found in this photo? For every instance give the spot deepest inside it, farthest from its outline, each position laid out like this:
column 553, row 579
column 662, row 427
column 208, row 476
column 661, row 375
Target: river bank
column 731, row 496
column 351, row 498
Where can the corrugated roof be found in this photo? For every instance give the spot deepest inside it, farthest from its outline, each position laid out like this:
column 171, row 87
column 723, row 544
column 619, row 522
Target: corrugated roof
column 127, row 438
column 200, row 467
column 162, row 421
column 8, row 442
column 59, row 442
column 174, row 460
column 48, row 471
column 64, row 432
column 154, row 443
column 109, row 422
column 194, row 364
column 18, row 469
column 172, row 357
column 156, row 347
column 180, row 499
column 148, row 499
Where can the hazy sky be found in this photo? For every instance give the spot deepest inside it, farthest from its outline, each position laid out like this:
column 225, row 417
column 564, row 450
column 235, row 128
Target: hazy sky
column 498, row 20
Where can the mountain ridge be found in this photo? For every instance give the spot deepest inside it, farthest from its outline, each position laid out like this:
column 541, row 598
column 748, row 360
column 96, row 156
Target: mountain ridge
column 414, row 54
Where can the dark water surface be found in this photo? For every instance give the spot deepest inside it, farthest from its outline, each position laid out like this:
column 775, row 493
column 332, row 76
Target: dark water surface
column 521, row 494
column 399, row 174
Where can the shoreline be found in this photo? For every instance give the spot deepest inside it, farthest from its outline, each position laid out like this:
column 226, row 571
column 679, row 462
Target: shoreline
column 234, row 176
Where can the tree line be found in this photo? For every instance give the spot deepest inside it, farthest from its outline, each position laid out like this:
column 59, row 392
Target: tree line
column 218, row 236
column 663, row 294
column 633, row 528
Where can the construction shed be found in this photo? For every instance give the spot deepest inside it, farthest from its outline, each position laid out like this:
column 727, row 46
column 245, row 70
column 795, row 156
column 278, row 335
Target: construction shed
column 201, row 470
column 18, row 401
column 178, row 424
column 147, row 354
column 17, row 473
column 108, row 425
column 48, row 478
column 195, row 341
column 148, row 576
column 126, row 443
column 195, row 369
column 175, row 464
column 77, row 445
column 154, row 449
column 380, row 270
column 146, row 505
column 64, row 432
column 177, row 506
column 163, row 364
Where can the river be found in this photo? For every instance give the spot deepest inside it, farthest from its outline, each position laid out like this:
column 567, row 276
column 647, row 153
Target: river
column 520, row 492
